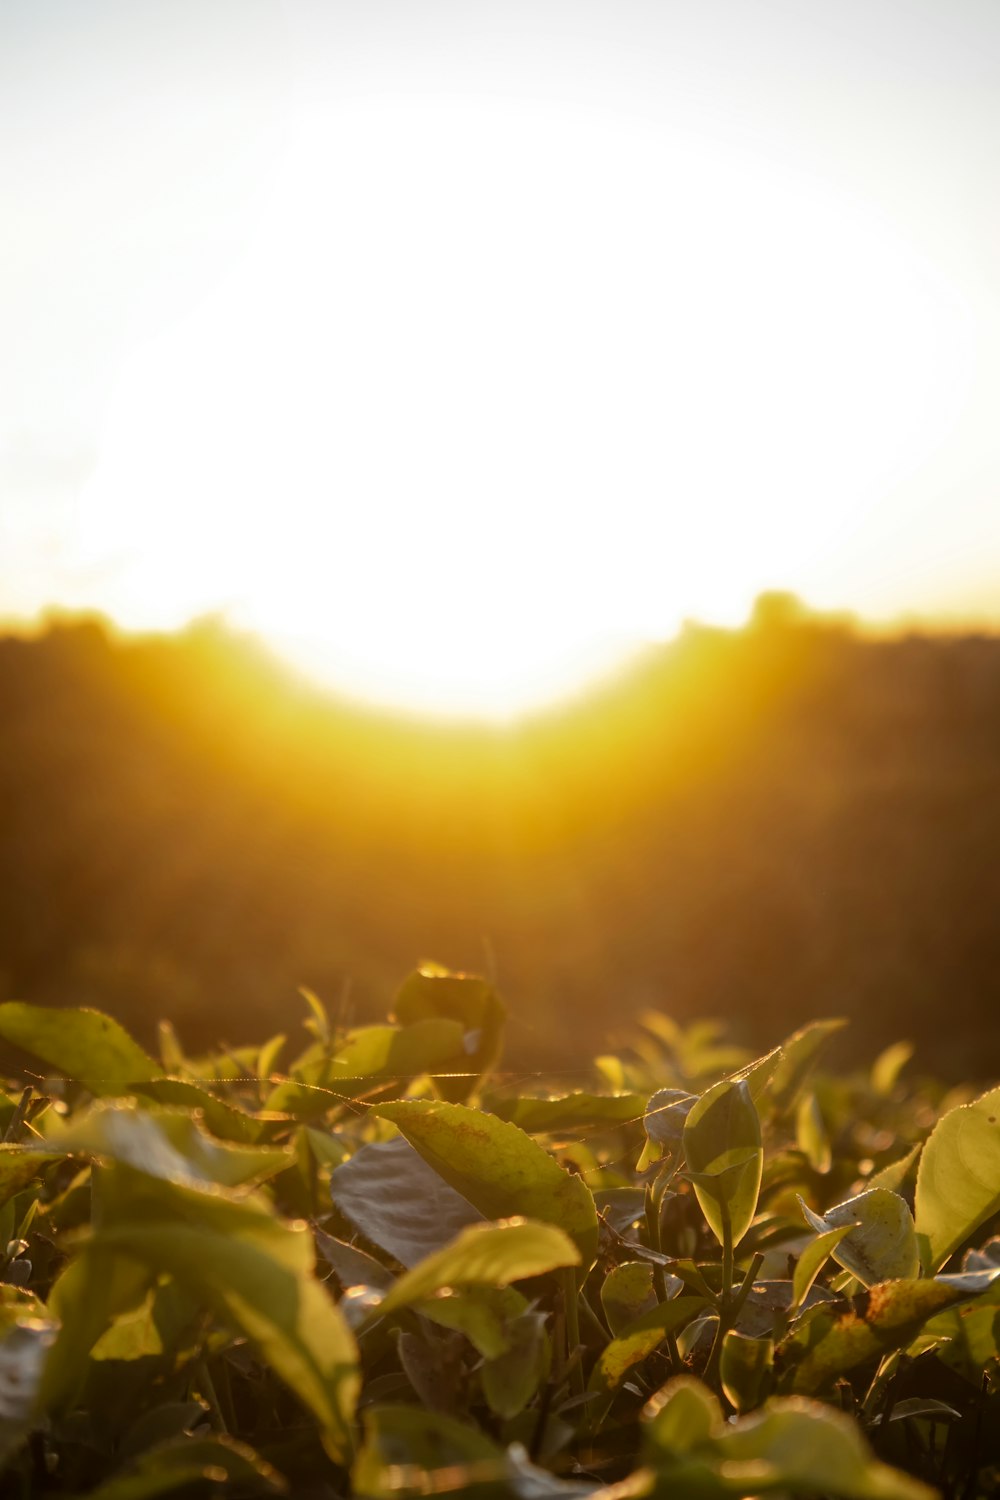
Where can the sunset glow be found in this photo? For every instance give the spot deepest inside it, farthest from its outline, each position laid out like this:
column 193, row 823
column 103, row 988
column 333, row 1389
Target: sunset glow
column 504, row 399
column 458, row 363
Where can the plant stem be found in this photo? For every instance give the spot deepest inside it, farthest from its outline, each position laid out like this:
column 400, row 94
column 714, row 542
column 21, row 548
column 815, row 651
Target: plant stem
column 572, row 1330
column 746, row 1286
column 210, row 1393
column 727, row 1261
column 17, row 1118
column 728, row 1305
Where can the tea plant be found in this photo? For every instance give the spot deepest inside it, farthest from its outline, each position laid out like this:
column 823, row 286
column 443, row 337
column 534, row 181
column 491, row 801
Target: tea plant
column 385, row 1270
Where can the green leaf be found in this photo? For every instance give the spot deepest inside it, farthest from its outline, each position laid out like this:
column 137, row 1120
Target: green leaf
column 800, row 1053
column 568, row 1112
column 881, row 1243
column 511, row 1379
column 498, row 1168
column 829, row 1340
column 319, row 1022
column 638, row 1340
column 811, row 1262
column 370, row 1053
column 971, row 1334
column 722, row 1145
column 255, row 1271
column 790, row 1445
column 185, row 1461
column 681, row 1417
column 406, row 1447
column 888, row 1066
column 627, row 1293
column 165, row 1143
column 484, row 1314
column 958, row 1180
column 758, row 1074
column 327, row 1150
column 20, row 1165
column 84, row 1045
column 398, row 1202
column 472, row 1002
column 93, row 1289
column 745, row 1369
column 809, row 1449
column 167, row 1321
column 222, row 1119
column 485, row 1255
column 896, row 1175
column 811, row 1134
column 396, row 1052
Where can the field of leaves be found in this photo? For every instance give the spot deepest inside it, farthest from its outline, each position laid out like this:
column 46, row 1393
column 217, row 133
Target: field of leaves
column 386, row 1269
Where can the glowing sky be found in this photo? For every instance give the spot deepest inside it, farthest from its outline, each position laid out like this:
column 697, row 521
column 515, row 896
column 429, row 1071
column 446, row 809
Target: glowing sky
column 457, row 346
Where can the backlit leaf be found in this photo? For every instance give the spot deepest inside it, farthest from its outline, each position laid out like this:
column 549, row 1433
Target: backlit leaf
column 888, row 1065
column 800, row 1053
column 626, row 1293
column 812, row 1260
column 722, row 1144
column 638, row 1340
column 497, row 1168
column 830, row 1340
column 881, row 1243
column 166, row 1143
column 567, row 1112
column 485, row 1255
column 811, row 1134
column 370, row 1053
column 433, row 991
column 897, row 1174
column 84, row 1045
column 958, row 1180
column 790, row 1445
column 745, row 1369
column 253, row 1270
column 486, row 1315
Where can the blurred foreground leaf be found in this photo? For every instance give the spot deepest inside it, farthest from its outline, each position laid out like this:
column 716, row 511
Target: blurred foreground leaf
column 85, row 1045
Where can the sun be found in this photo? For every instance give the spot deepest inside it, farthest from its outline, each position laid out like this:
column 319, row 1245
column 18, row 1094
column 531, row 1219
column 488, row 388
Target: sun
column 494, row 394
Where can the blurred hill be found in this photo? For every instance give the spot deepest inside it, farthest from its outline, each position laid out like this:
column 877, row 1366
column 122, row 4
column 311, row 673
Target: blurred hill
column 770, row 824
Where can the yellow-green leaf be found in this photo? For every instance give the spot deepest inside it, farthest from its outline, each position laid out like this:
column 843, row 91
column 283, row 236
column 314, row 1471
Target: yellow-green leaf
column 85, row 1045
column 498, row 1168
column 722, row 1145
column 958, row 1180
column 485, row 1255
column 165, row 1143
column 811, row 1262
column 881, row 1243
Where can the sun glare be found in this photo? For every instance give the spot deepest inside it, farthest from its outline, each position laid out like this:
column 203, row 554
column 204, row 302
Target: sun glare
column 495, row 394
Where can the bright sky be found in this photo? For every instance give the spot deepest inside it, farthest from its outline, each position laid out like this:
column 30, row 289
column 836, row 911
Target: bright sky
column 457, row 347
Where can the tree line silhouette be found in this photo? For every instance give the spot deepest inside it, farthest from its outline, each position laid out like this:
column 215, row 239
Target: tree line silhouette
column 766, row 825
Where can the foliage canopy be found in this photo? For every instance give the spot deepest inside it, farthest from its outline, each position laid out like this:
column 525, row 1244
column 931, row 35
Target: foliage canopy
column 382, row 1268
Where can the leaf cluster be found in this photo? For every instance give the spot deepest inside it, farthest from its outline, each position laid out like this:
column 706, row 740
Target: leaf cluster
column 384, row 1269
